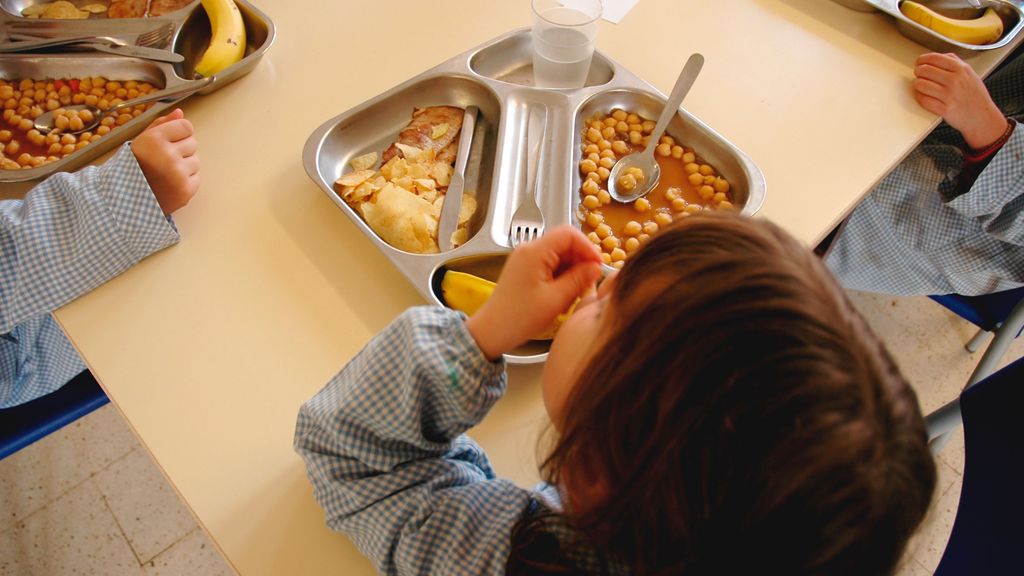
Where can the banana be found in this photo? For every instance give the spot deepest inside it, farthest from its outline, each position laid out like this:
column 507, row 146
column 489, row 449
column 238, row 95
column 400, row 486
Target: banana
column 984, row 30
column 467, row 293
column 227, row 38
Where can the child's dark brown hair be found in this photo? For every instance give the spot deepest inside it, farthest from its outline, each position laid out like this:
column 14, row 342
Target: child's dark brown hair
column 741, row 418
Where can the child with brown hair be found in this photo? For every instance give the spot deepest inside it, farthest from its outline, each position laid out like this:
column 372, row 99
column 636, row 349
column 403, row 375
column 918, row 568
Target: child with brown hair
column 720, row 409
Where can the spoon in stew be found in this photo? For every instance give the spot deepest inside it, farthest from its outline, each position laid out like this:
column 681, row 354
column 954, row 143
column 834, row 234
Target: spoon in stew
column 44, row 123
column 634, row 175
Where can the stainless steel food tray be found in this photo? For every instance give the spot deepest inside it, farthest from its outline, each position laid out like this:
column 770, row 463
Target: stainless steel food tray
column 1009, row 10
column 496, row 77
column 189, row 35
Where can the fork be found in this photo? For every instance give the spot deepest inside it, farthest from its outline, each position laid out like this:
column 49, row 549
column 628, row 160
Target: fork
column 528, row 220
column 155, row 38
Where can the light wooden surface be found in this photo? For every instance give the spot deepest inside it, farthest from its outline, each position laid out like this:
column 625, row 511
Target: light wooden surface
column 209, row 348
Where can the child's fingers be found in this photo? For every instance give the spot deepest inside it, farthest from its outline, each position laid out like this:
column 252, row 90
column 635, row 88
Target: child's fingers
column 190, row 165
column 948, row 62
column 173, row 115
column 570, row 245
column 576, row 281
column 175, row 130
column 927, row 87
column 933, row 105
column 187, row 146
column 933, row 73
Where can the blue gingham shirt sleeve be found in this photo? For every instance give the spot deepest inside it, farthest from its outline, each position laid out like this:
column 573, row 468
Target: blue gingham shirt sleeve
column 385, row 450
column 69, row 234
column 916, row 234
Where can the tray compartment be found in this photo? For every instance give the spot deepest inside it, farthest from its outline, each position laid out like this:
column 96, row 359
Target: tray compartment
column 373, row 126
column 14, row 8
column 78, row 66
column 510, row 59
column 487, row 266
column 747, row 185
column 1011, row 13
column 193, row 36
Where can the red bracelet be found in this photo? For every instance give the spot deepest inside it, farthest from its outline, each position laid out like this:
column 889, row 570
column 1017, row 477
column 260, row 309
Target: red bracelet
column 972, row 156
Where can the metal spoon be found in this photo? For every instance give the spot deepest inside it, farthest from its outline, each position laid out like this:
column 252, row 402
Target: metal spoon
column 645, row 160
column 44, row 122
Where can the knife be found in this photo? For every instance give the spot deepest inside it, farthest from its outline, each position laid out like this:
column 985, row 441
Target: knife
column 452, row 204
column 137, row 52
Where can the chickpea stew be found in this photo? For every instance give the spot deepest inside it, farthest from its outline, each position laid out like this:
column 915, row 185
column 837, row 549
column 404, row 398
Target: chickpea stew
column 687, row 185
column 24, row 100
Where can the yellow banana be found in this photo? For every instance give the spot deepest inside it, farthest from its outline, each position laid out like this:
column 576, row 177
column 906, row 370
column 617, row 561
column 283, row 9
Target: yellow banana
column 984, row 30
column 227, row 38
column 467, row 293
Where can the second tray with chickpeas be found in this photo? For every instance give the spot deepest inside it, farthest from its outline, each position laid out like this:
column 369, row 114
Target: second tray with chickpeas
column 369, row 161
column 59, row 80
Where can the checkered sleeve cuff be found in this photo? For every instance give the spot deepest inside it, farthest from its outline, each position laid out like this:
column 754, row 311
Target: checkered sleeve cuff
column 133, row 206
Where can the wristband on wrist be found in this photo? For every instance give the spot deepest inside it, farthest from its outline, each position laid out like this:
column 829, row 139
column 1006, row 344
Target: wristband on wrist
column 973, row 156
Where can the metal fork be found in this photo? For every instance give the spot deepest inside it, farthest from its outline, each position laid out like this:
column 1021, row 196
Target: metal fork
column 528, row 220
column 157, row 37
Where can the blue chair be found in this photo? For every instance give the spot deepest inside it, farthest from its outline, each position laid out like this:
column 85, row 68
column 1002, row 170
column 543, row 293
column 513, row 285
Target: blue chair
column 1000, row 314
column 26, row 423
column 987, row 532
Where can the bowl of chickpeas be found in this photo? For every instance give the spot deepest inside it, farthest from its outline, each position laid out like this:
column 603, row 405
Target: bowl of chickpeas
column 699, row 172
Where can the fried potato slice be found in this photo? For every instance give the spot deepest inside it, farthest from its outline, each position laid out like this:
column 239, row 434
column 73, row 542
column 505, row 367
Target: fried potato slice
column 63, row 10
column 363, row 162
column 403, row 220
column 355, row 178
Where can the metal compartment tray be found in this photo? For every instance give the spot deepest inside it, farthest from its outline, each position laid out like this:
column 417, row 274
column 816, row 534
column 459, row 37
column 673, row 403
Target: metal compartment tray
column 188, row 33
column 1009, row 10
column 497, row 78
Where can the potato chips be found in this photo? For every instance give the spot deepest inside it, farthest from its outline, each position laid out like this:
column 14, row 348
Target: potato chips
column 60, row 10
column 402, row 200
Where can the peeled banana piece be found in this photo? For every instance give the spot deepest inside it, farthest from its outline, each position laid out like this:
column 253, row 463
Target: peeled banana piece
column 984, row 30
column 227, row 38
column 467, row 293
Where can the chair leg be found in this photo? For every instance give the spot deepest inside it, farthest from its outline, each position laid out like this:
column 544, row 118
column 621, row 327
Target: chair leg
column 940, row 424
column 977, row 340
column 1005, row 335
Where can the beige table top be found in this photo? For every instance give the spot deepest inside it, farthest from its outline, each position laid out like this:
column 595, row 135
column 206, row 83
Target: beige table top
column 209, row 348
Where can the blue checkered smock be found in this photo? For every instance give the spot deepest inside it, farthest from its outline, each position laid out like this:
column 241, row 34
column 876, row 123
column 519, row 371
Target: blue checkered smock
column 385, row 449
column 70, row 234
column 915, row 235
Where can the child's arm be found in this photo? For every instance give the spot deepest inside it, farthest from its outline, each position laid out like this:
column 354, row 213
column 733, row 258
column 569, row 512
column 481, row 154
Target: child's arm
column 992, row 176
column 73, row 232
column 385, row 453
column 383, row 441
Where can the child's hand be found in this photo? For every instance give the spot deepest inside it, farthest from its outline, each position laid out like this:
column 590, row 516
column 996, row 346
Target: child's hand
column 540, row 280
column 166, row 152
column 949, row 87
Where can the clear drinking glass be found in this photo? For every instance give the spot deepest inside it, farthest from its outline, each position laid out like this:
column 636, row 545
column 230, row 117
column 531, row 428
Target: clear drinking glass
column 564, row 33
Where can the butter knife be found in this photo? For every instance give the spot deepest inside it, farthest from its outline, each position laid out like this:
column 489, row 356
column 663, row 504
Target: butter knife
column 452, row 204
column 137, row 52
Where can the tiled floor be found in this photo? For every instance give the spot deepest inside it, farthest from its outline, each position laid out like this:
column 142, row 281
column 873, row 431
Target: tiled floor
column 89, row 500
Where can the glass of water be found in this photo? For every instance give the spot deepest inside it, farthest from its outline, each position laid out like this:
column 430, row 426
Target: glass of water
column 564, row 33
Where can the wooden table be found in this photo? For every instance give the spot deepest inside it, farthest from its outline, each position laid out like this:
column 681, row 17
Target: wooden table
column 209, row 348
